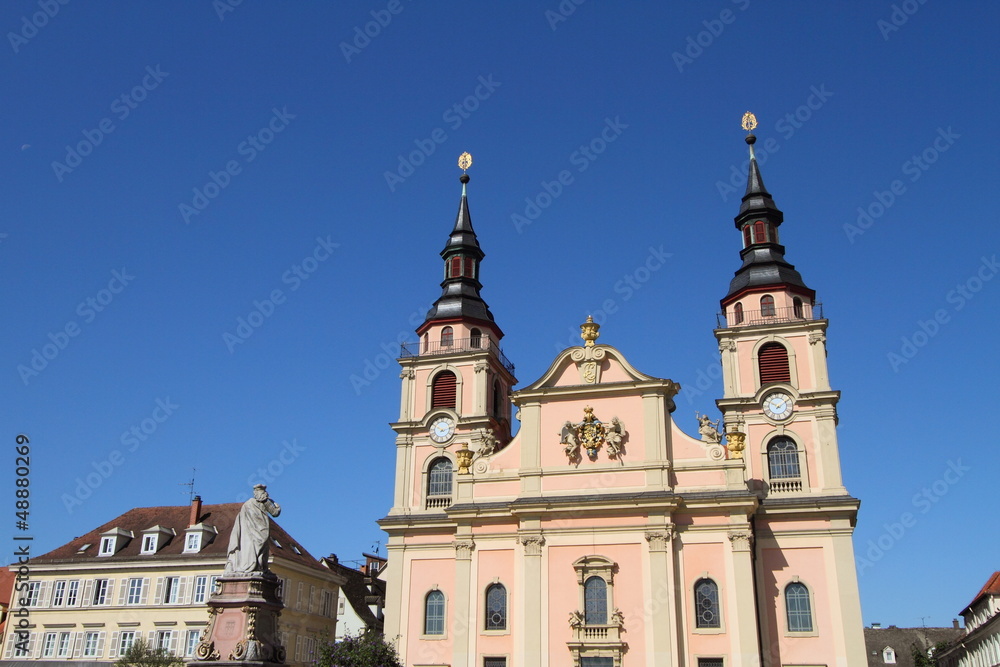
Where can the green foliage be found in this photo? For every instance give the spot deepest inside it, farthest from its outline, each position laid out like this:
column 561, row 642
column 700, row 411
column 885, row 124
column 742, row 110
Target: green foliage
column 365, row 649
column 141, row 654
column 921, row 658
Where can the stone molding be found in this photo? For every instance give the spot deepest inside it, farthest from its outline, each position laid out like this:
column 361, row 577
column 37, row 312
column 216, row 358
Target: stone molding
column 463, row 549
column 741, row 540
column 532, row 544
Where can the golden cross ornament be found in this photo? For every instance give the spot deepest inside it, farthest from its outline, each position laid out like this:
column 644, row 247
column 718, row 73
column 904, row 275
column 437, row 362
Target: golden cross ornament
column 749, row 121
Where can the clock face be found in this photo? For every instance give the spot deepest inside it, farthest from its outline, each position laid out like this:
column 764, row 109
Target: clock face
column 442, row 429
column 778, row 405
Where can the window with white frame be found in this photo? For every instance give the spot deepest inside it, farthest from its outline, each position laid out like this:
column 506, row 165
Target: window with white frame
column 31, row 594
column 200, row 588
column 783, row 459
column 164, row 640
column 125, row 641
column 149, row 544
column 134, row 591
column 102, row 589
column 72, row 592
column 889, row 655
column 326, row 604
column 798, row 608
column 108, row 546
column 64, row 645
column 215, row 583
column 23, row 644
column 192, row 642
column 49, row 645
column 171, row 589
column 192, row 543
column 91, row 644
column 58, row 593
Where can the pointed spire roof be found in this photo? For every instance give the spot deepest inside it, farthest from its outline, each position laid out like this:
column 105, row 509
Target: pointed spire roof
column 460, row 298
column 764, row 263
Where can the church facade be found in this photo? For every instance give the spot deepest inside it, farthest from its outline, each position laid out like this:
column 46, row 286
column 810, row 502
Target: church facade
column 602, row 534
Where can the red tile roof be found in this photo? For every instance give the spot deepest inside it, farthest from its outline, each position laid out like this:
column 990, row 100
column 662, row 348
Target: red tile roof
column 992, row 587
column 139, row 519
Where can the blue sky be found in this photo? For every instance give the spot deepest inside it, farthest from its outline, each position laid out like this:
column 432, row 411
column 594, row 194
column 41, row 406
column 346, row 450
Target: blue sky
column 167, row 168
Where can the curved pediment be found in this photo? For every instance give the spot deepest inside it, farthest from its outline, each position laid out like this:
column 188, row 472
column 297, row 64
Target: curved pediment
column 590, row 366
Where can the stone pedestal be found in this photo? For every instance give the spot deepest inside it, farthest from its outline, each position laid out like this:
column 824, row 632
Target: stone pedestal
column 243, row 623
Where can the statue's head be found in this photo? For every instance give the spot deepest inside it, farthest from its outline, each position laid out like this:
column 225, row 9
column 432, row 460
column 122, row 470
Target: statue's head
column 260, row 492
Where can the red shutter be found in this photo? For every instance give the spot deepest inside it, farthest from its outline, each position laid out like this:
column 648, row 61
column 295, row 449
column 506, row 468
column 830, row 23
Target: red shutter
column 746, row 236
column 456, row 267
column 469, row 273
column 443, row 390
column 773, row 360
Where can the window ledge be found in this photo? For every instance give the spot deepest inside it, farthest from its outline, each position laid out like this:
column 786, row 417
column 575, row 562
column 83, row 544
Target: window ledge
column 810, row 633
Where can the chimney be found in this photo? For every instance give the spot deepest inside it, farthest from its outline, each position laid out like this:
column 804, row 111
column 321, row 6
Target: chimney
column 195, row 510
column 954, row 624
column 876, row 626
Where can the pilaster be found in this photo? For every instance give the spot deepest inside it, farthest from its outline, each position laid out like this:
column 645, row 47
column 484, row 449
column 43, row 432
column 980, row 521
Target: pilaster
column 463, row 615
column 532, row 545
column 743, row 616
column 662, row 612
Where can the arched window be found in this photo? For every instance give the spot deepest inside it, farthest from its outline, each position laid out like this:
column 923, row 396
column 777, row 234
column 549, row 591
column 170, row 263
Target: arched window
column 706, row 604
column 434, row 613
column 455, row 267
column 772, row 361
column 427, row 341
column 475, row 338
column 889, row 655
column 447, row 337
column 738, row 314
column 767, row 306
column 595, row 598
column 497, row 398
column 439, row 477
column 783, row 459
column 797, row 307
column 470, row 267
column 746, row 236
column 443, row 390
column 496, row 607
column 759, row 232
column 797, row 608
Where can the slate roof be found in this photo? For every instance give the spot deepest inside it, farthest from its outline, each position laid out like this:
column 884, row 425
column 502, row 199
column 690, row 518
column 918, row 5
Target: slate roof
column 139, row 519
column 902, row 641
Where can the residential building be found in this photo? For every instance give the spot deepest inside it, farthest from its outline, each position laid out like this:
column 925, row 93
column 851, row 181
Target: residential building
column 979, row 646
column 895, row 646
column 362, row 595
column 602, row 534
column 149, row 573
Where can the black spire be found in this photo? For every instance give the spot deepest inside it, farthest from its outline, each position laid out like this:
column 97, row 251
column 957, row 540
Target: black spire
column 763, row 257
column 460, row 297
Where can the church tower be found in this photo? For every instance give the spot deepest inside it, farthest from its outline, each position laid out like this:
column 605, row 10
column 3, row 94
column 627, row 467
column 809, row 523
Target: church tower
column 456, row 381
column 778, row 401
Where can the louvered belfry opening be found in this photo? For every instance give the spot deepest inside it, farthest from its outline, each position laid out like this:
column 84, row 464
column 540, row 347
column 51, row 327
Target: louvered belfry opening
column 773, row 361
column 443, row 390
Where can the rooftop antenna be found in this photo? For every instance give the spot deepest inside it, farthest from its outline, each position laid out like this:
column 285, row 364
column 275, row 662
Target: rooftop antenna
column 377, row 546
column 190, row 486
column 923, row 621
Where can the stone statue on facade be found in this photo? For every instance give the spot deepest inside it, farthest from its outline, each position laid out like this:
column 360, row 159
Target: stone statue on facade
column 614, row 437
column 575, row 619
column 248, row 543
column 569, row 441
column 708, row 429
column 489, row 445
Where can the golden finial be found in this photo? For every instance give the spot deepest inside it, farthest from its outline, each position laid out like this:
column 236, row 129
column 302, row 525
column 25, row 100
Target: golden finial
column 749, row 121
column 464, row 161
column 588, row 331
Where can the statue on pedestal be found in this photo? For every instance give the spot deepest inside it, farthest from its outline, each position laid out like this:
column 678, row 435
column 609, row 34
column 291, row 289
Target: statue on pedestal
column 248, row 543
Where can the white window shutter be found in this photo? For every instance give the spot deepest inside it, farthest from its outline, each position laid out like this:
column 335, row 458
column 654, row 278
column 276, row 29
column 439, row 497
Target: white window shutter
column 113, row 647
column 298, row 646
column 182, row 589
column 35, row 644
column 77, row 643
column 312, row 599
column 174, row 634
column 152, row 639
column 43, row 595
column 100, row 644
column 87, row 594
column 11, row 640
column 109, row 597
column 145, row 591
column 122, row 592
column 158, row 595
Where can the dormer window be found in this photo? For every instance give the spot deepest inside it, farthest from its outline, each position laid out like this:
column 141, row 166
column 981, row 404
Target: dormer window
column 113, row 541
column 108, row 546
column 149, row 544
column 889, row 655
column 198, row 536
column 155, row 538
column 192, row 544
